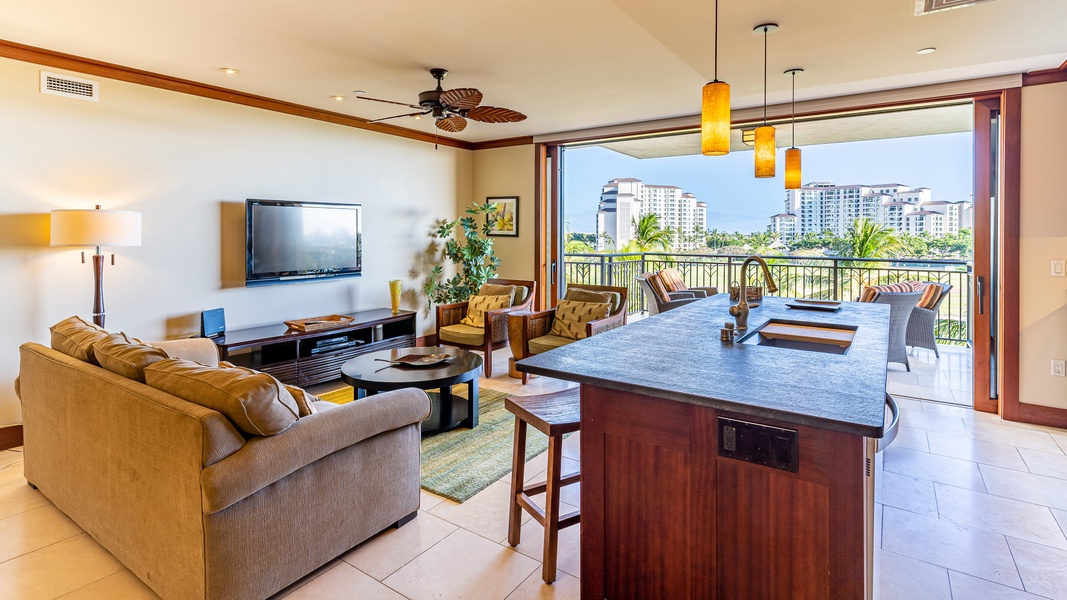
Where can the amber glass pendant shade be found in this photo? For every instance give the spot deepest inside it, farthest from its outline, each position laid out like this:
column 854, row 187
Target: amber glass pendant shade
column 765, row 151
column 792, row 169
column 715, row 119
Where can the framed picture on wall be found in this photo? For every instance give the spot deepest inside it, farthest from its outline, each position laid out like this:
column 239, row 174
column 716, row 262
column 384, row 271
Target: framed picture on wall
column 505, row 221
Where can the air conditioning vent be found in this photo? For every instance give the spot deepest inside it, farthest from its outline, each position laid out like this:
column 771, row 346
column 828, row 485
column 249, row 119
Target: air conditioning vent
column 925, row 7
column 69, row 87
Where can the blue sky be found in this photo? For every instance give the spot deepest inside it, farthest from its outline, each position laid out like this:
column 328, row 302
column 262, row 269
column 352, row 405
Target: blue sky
column 737, row 201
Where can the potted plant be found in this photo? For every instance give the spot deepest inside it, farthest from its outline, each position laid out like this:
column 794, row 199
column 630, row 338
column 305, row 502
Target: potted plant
column 472, row 253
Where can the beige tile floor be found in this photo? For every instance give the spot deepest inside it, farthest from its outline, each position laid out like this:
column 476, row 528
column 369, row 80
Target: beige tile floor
column 967, row 507
column 946, row 379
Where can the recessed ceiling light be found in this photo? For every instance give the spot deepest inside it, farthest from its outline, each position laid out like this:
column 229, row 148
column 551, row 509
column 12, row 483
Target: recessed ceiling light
column 359, row 92
column 230, row 71
column 926, row 51
column 338, row 97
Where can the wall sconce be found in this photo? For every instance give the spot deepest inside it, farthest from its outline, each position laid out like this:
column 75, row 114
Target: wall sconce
column 96, row 228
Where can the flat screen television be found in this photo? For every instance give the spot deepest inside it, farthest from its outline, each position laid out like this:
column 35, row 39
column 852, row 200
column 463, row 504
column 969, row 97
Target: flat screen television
column 290, row 242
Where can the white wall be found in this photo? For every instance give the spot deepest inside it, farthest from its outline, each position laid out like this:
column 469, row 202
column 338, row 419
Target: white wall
column 1043, row 299
column 188, row 164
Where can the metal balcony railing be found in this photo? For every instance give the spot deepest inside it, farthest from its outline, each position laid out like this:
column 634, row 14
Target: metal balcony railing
column 816, row 277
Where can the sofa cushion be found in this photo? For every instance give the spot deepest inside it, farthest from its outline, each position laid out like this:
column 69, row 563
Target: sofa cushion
column 583, row 295
column 545, row 343
column 572, row 316
column 118, row 354
column 463, row 334
column 255, row 402
column 477, row 306
column 75, row 338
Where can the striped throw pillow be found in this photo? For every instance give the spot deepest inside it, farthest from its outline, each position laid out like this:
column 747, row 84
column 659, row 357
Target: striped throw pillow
column 931, row 293
column 657, row 286
column 572, row 316
column 871, row 292
column 672, row 280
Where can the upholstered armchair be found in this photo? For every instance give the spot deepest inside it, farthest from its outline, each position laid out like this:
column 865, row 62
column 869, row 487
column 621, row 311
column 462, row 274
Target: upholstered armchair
column 492, row 334
column 659, row 299
column 530, row 333
column 672, row 280
column 921, row 327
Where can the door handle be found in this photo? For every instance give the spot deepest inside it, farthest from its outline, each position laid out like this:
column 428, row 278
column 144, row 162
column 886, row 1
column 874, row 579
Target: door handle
column 980, row 283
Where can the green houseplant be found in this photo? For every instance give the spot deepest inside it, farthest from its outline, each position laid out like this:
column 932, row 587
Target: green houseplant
column 472, row 253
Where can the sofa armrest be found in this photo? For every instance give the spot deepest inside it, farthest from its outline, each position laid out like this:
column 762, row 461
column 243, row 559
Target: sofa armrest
column 201, row 350
column 263, row 461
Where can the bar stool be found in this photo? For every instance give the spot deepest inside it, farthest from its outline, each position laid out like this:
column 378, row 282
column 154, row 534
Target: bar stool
column 554, row 415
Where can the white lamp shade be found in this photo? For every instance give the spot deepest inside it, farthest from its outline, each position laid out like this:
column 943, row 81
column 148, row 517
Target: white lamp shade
column 96, row 228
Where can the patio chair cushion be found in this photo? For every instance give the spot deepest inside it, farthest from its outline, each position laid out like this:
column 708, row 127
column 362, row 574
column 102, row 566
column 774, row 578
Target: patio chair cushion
column 931, row 293
column 539, row 345
column 477, row 306
column 583, row 295
column 572, row 316
column 672, row 280
column 657, row 286
column 463, row 334
column 511, row 291
column 871, row 292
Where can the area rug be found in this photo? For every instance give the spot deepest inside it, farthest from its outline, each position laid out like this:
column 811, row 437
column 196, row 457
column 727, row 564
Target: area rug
column 460, row 463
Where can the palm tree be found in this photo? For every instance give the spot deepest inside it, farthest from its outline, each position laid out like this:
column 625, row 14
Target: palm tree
column 867, row 239
column 648, row 234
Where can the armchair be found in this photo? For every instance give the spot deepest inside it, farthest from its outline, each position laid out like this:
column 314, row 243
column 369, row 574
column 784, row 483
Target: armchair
column 493, row 334
column 530, row 332
column 673, row 282
column 923, row 321
column 659, row 299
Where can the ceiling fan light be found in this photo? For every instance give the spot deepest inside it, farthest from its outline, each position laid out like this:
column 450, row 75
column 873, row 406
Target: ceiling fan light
column 765, row 150
column 792, row 169
column 715, row 119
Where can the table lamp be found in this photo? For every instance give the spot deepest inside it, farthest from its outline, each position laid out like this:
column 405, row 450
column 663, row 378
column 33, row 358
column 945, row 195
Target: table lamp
column 96, row 228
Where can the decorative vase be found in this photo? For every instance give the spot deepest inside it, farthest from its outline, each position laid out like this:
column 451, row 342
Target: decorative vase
column 395, row 286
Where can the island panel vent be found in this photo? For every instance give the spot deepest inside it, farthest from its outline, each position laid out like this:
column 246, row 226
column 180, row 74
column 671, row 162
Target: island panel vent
column 70, row 87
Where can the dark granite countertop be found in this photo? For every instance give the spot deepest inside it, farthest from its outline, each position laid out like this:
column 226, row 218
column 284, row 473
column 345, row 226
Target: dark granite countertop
column 678, row 356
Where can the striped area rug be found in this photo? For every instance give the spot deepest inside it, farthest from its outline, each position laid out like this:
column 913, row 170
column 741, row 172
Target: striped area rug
column 460, row 463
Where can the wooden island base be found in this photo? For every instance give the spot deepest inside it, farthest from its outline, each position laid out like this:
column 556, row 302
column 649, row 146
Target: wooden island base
column 664, row 516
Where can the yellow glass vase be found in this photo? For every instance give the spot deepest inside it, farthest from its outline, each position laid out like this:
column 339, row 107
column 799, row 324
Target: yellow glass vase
column 395, row 286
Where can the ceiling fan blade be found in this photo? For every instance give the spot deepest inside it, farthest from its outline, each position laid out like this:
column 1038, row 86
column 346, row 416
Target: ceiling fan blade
column 414, row 114
column 461, row 98
column 493, row 114
column 452, row 124
column 389, row 102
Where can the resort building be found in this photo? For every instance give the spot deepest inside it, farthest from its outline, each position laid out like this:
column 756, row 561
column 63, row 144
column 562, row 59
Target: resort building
column 624, row 201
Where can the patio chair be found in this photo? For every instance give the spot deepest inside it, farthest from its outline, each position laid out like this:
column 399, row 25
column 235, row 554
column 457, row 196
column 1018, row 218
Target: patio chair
column 672, row 280
column 921, row 327
column 492, row 334
column 659, row 298
column 530, row 332
column 901, row 305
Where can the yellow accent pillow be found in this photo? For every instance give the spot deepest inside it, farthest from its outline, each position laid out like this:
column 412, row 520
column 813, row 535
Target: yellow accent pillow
column 572, row 316
column 477, row 306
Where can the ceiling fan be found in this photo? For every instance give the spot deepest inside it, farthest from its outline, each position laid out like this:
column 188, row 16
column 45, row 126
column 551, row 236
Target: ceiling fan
column 452, row 108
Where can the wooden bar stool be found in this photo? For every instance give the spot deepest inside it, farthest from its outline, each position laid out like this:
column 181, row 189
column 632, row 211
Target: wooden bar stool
column 554, row 415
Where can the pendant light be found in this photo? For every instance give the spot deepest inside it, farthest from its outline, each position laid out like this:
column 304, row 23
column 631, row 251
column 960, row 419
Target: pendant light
column 765, row 147
column 792, row 155
column 715, row 108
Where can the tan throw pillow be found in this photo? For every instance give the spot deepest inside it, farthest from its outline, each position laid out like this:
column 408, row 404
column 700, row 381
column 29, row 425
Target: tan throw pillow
column 580, row 295
column 572, row 316
column 303, row 399
column 477, row 306
column 118, row 354
column 492, row 289
column 75, row 338
column 255, row 402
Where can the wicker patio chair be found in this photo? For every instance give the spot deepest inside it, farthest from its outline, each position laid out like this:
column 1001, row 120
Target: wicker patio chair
column 901, row 305
column 923, row 323
column 659, row 299
column 672, row 280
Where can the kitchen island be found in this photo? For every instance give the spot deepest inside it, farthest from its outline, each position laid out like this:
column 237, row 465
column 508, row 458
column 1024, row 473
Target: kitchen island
column 740, row 469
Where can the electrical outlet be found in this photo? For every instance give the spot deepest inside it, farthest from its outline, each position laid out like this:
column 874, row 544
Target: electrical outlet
column 1058, row 368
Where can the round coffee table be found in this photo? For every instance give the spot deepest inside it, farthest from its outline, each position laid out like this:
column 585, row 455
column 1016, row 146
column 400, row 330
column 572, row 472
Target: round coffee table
column 370, row 375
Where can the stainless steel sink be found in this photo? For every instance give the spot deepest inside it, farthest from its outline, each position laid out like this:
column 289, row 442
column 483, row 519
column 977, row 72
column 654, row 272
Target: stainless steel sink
column 830, row 338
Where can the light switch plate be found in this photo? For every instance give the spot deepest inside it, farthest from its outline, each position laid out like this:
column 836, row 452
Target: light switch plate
column 1057, row 268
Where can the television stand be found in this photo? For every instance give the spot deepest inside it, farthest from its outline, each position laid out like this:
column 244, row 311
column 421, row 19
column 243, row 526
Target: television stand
column 305, row 358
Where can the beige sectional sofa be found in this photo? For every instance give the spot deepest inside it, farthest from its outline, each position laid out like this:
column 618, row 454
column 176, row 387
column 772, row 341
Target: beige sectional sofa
column 190, row 505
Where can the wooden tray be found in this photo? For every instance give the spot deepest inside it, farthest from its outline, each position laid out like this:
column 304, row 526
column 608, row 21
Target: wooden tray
column 420, row 360
column 317, row 323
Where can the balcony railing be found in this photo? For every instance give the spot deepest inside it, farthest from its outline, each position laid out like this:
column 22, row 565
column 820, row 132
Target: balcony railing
column 823, row 278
